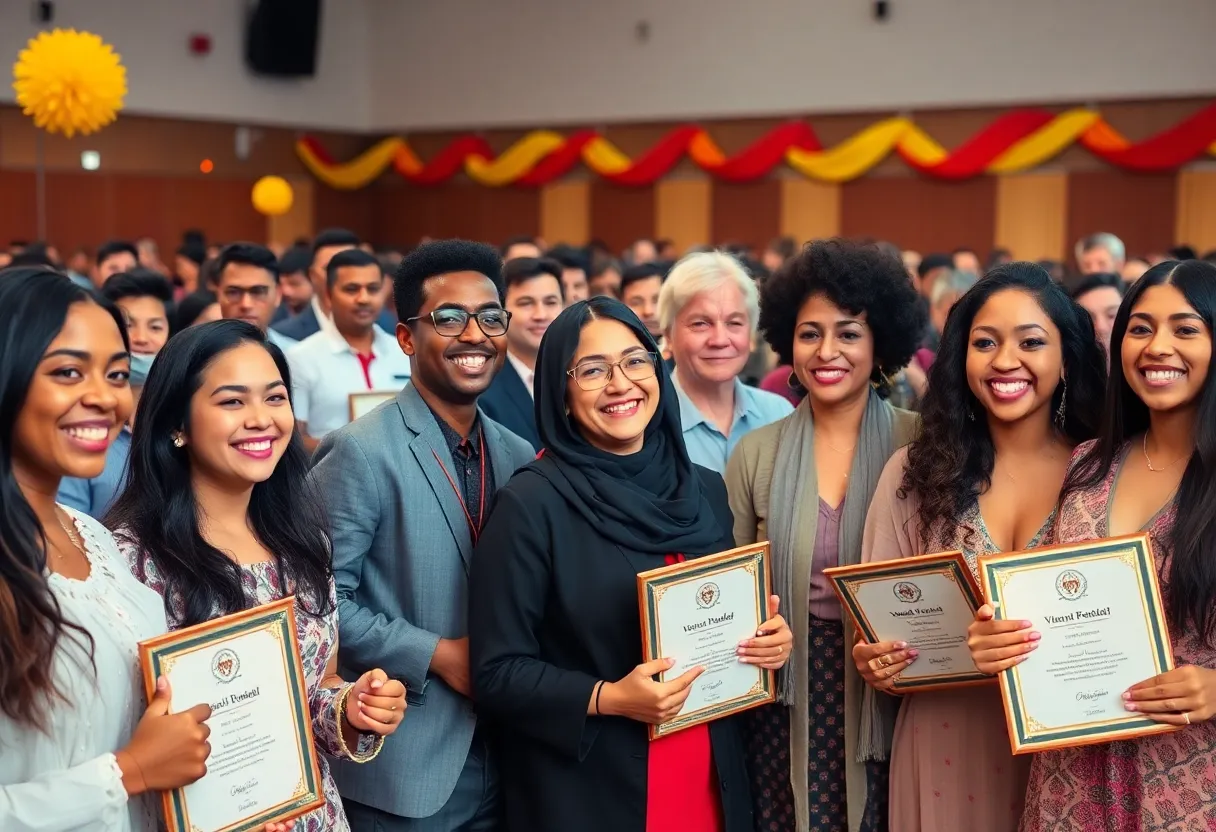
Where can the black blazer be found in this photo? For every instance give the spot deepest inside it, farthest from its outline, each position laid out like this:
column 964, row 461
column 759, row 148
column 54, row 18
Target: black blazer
column 507, row 402
column 299, row 326
column 553, row 609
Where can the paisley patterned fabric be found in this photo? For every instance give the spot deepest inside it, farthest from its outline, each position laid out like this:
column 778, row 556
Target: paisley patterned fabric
column 1163, row 783
column 318, row 639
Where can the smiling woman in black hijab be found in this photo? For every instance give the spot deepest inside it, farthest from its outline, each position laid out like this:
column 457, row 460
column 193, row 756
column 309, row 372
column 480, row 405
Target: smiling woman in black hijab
column 554, row 631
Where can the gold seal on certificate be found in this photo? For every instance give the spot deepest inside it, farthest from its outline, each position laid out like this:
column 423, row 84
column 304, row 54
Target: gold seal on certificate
column 363, row 403
column 263, row 763
column 1098, row 608
column 927, row 601
column 697, row 612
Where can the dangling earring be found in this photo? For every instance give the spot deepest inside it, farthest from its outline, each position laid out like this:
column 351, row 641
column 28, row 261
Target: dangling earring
column 792, row 382
column 1063, row 397
column 179, row 441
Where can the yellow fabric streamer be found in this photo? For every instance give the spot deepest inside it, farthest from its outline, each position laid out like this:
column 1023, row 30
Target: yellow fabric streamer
column 605, row 158
column 852, row 157
column 357, row 173
column 1044, row 144
column 516, row 161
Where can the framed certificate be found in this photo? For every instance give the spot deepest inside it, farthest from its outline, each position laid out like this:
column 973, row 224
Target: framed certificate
column 927, row 601
column 363, row 403
column 1098, row 608
column 263, row 763
column 697, row 612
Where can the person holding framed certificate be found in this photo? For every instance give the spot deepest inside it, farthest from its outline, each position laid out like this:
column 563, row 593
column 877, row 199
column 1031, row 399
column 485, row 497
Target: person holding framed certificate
column 555, row 634
column 844, row 315
column 78, row 749
column 218, row 517
column 1147, row 472
column 1017, row 383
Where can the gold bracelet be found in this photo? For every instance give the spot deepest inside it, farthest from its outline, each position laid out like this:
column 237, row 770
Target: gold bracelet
column 340, row 717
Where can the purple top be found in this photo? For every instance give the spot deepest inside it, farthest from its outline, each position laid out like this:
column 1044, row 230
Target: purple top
column 823, row 601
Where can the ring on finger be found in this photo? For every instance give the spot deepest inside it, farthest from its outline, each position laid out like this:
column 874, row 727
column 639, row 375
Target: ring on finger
column 884, row 660
column 1187, row 717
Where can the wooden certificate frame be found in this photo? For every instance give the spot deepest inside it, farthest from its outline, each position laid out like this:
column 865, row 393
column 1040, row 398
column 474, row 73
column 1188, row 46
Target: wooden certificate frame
column 360, row 404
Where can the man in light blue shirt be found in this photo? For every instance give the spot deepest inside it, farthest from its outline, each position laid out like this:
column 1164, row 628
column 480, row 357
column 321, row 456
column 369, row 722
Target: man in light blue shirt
column 708, row 310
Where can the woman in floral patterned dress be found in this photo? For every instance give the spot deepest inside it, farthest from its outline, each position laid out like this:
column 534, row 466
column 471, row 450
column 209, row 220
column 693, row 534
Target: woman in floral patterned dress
column 998, row 415
column 1150, row 470
column 217, row 517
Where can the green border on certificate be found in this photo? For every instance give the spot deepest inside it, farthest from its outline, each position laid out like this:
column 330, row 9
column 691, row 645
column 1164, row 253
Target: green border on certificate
column 1025, row 734
column 157, row 656
column 754, row 559
column 953, row 565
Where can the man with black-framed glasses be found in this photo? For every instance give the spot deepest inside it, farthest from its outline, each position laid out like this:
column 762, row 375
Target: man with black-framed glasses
column 408, row 488
column 247, row 287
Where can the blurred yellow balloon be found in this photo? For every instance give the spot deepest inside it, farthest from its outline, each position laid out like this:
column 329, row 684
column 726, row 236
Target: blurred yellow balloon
column 272, row 196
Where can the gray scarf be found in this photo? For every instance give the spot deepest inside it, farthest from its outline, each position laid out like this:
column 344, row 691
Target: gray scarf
column 793, row 518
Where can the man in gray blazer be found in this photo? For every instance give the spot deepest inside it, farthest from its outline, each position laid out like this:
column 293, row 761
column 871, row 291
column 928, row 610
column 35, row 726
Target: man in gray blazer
column 408, row 488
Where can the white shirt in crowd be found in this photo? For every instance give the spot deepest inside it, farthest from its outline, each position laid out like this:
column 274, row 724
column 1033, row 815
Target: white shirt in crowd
column 525, row 375
column 325, row 370
column 67, row 778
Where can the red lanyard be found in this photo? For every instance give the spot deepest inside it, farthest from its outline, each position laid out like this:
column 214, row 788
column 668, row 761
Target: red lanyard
column 474, row 530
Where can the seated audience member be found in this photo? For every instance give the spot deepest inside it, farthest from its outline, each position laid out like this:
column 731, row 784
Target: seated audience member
column 1100, row 253
column 555, row 658
column 779, row 250
column 534, row 299
column 201, row 307
column 248, row 288
column 520, row 246
column 146, row 300
column 295, row 287
column 35, row 255
column 666, row 250
column 187, row 264
column 708, row 310
column 316, row 316
column 641, row 251
column 353, row 355
column 966, row 260
column 149, row 256
column 911, row 260
column 113, row 257
column 604, row 278
column 1100, row 295
column 1135, row 268
column 946, row 291
column 640, row 287
column 1055, row 269
column 574, row 271
column 998, row 257
column 78, row 267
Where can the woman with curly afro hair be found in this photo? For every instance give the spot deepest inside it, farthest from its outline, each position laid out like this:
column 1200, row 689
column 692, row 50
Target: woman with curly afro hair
column 844, row 315
column 1017, row 383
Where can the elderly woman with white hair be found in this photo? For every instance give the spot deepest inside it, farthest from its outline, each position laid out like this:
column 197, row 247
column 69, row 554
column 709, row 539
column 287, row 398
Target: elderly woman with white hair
column 708, row 310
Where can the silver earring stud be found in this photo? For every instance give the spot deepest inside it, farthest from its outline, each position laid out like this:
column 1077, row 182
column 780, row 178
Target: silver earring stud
column 178, row 442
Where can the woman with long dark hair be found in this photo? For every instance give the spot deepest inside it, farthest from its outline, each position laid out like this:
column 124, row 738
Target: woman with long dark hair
column 554, row 646
column 77, row 747
column 218, row 517
column 1152, row 469
column 1016, row 385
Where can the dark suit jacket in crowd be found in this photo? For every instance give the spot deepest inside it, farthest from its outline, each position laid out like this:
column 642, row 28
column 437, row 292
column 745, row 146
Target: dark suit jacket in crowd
column 553, row 607
column 508, row 403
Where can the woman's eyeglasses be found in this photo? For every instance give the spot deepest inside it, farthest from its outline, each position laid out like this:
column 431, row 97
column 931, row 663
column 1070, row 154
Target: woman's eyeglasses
column 595, row 375
column 451, row 323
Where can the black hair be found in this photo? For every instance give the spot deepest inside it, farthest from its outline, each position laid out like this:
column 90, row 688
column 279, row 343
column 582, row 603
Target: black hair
column 34, row 255
column 640, row 271
column 247, row 254
column 785, row 246
column 952, row 461
column 333, row 237
column 345, row 259
column 441, row 257
column 569, row 257
column 1183, row 252
column 516, row 240
column 209, row 273
column 112, row 247
column 140, row 283
column 192, row 305
column 1192, row 540
column 1100, row 280
column 193, row 250
column 295, row 259
column 601, row 264
column 521, row 269
column 157, row 508
column 34, row 303
column 857, row 277
column 934, row 261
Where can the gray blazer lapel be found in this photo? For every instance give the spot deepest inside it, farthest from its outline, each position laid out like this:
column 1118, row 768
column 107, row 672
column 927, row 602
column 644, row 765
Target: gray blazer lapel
column 500, row 455
column 426, row 446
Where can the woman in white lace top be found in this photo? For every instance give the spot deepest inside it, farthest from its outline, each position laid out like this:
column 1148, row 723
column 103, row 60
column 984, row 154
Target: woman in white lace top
column 78, row 748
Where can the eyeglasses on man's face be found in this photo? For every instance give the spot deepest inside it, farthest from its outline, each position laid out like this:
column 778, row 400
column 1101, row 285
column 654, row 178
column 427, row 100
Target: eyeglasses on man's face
column 596, row 375
column 236, row 294
column 451, row 323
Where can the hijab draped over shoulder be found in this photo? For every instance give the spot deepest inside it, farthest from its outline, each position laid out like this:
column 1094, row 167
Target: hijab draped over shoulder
column 650, row 501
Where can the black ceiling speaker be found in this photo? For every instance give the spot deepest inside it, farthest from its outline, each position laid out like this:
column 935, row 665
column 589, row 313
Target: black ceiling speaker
column 282, row 38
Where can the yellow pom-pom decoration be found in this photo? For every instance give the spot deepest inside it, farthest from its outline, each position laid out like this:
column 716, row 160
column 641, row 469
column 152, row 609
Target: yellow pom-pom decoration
column 70, row 82
column 272, row 196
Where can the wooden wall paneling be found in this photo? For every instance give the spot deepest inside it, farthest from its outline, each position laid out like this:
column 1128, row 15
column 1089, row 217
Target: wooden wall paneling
column 1195, row 224
column 18, row 206
column 920, row 213
column 683, row 212
column 79, row 209
column 505, row 212
column 565, row 212
column 748, row 212
column 620, row 215
column 220, row 207
column 1138, row 208
column 1031, row 214
column 342, row 209
column 143, row 207
column 809, row 210
column 298, row 222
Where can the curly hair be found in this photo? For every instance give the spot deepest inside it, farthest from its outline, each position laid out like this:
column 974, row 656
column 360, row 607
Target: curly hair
column 859, row 278
column 442, row 257
column 952, row 461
